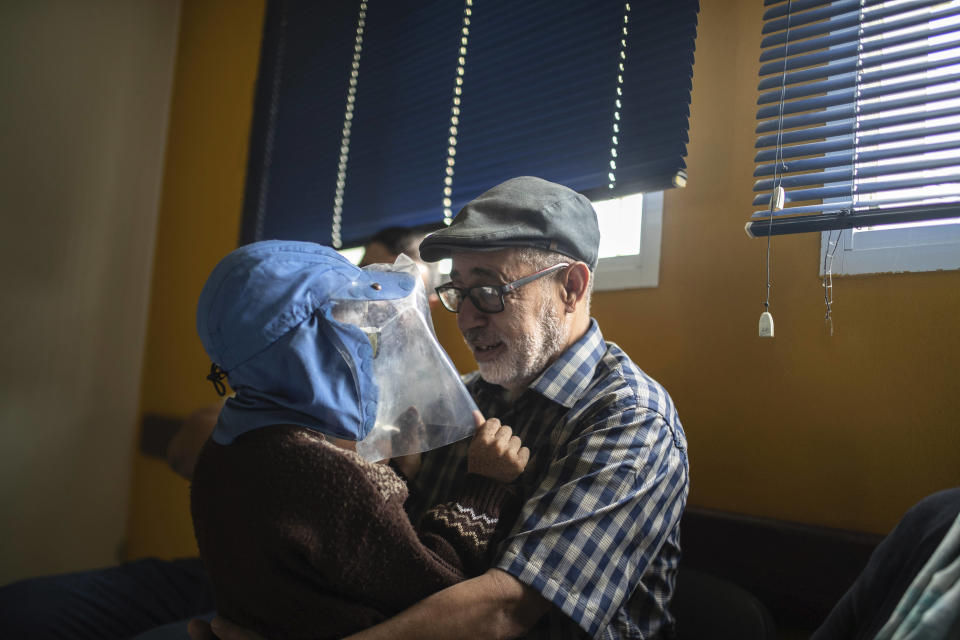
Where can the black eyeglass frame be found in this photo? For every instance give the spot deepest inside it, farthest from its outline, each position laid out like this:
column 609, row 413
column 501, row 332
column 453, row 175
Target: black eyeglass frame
column 502, row 290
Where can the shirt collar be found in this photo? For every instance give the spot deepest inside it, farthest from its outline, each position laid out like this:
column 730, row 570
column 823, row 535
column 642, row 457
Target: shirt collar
column 568, row 377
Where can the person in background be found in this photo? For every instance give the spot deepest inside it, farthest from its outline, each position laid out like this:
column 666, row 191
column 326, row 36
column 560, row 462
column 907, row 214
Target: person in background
column 386, row 245
column 595, row 548
column 910, row 587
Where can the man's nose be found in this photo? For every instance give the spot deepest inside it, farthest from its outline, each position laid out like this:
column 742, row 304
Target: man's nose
column 469, row 317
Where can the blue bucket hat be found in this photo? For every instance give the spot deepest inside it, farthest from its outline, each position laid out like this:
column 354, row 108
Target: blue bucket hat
column 265, row 318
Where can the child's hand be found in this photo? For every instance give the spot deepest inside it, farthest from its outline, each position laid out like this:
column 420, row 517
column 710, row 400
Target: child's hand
column 413, row 433
column 496, row 453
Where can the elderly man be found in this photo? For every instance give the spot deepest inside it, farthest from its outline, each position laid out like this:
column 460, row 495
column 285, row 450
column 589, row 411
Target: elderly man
column 595, row 548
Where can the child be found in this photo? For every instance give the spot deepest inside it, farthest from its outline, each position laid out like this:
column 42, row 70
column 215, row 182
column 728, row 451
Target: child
column 302, row 536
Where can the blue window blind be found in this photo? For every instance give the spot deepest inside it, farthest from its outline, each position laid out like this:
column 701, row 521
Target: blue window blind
column 450, row 98
column 859, row 114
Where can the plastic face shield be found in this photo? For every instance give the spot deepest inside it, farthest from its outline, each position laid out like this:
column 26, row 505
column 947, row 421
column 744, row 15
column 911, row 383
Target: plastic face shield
column 421, row 402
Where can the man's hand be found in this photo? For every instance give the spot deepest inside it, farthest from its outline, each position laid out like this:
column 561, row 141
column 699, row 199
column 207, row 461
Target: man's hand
column 496, row 453
column 493, row 606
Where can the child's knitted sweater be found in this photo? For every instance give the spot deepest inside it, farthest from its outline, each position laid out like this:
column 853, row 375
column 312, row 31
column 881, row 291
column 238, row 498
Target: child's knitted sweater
column 306, row 540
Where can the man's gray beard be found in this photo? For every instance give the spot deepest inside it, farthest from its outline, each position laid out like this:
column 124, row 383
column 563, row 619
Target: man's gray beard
column 527, row 355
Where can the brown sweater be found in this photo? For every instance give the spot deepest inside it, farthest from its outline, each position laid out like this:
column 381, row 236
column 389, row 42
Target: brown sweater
column 306, row 540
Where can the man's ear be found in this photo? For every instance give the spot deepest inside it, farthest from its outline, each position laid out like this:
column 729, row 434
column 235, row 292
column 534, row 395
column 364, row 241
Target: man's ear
column 575, row 282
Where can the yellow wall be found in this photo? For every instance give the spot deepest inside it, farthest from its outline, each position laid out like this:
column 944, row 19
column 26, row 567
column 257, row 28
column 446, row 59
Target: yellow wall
column 199, row 223
column 845, row 431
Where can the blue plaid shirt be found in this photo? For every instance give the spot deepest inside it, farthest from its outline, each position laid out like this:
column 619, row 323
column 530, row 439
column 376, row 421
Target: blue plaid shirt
column 598, row 534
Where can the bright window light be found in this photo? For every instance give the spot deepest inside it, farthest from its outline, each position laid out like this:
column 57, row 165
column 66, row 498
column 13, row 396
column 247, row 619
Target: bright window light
column 909, row 225
column 912, row 246
column 949, row 190
column 620, row 225
column 353, row 254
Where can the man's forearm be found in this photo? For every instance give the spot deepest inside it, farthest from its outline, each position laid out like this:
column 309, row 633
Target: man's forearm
column 493, row 605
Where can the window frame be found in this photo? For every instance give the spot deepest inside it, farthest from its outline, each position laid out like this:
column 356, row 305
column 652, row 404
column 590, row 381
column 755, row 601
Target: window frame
column 905, row 248
column 899, row 250
column 641, row 270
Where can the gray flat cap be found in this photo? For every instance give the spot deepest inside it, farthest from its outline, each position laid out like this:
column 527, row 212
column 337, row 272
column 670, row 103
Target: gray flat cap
column 521, row 212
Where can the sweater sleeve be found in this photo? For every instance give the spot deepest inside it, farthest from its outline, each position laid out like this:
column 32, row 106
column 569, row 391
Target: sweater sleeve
column 462, row 531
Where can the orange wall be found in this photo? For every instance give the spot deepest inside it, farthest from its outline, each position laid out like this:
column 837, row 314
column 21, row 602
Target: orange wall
column 199, row 223
column 845, row 431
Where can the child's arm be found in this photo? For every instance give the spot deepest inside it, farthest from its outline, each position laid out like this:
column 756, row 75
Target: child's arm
column 461, row 530
column 184, row 447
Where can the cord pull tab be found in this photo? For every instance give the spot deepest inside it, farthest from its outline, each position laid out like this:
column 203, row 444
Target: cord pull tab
column 777, row 199
column 216, row 376
column 766, row 325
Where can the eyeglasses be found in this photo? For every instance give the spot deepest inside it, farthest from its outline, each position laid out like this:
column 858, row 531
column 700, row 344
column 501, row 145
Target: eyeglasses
column 488, row 298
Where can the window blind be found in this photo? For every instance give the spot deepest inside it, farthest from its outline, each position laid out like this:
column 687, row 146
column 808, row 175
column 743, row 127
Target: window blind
column 545, row 95
column 450, row 98
column 859, row 114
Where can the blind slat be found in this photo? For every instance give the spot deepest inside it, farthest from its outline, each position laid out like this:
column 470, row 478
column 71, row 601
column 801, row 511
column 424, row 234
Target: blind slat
column 842, row 21
column 853, row 63
column 853, row 50
column 800, row 16
column 848, row 157
column 846, row 188
column 849, row 111
column 845, row 174
column 867, row 128
column 841, row 143
column 801, row 5
column 854, row 34
column 847, row 96
column 837, row 204
column 852, row 80
column 848, row 205
column 833, row 220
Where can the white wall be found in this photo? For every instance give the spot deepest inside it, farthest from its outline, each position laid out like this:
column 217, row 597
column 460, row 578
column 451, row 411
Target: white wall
column 85, row 90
